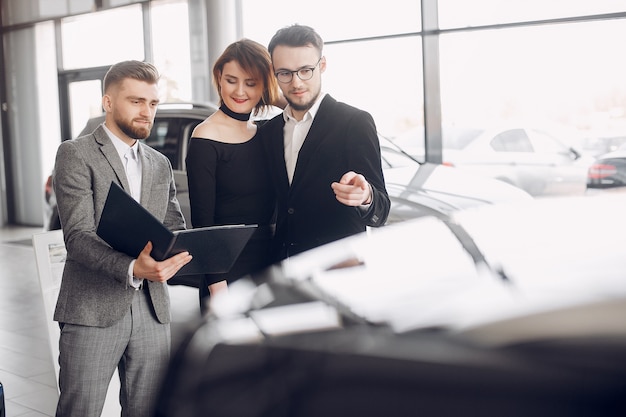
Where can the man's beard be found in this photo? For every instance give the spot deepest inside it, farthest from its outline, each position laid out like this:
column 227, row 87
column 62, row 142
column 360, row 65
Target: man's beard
column 303, row 107
column 131, row 131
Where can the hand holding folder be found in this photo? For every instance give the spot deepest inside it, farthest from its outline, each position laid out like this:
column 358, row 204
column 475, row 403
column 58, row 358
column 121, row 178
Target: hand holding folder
column 127, row 226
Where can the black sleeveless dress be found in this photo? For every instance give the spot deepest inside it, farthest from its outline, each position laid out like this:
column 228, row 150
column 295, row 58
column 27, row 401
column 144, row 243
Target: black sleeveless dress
column 229, row 183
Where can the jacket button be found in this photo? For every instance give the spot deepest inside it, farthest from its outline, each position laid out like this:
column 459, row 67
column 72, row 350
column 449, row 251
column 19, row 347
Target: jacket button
column 290, row 210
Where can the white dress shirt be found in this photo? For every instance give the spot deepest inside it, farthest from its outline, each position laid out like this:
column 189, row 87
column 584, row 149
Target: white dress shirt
column 132, row 165
column 295, row 133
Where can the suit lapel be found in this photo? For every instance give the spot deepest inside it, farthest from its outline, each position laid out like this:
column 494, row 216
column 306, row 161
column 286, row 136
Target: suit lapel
column 317, row 134
column 110, row 153
column 275, row 138
column 146, row 173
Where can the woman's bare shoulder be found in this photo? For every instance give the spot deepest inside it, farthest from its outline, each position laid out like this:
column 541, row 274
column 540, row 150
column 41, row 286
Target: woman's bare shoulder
column 209, row 128
column 220, row 130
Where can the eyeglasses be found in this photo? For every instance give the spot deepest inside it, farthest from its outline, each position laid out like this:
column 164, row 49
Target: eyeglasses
column 306, row 73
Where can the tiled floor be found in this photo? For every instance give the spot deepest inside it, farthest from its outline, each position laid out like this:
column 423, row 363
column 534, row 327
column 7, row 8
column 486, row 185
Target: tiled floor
column 26, row 363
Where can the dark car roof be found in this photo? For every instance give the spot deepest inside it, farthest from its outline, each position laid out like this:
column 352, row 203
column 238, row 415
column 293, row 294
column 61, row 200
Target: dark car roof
column 618, row 154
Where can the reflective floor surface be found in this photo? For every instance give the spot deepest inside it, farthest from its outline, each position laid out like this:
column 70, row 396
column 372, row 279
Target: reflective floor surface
column 26, row 363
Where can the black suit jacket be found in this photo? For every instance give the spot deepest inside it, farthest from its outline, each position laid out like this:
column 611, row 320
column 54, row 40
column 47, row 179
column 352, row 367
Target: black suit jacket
column 341, row 139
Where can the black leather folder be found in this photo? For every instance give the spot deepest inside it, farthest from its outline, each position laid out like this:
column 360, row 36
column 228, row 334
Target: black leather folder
column 127, row 226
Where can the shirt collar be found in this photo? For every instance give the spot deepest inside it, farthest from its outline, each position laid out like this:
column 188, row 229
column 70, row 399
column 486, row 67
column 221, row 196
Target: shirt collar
column 119, row 144
column 310, row 113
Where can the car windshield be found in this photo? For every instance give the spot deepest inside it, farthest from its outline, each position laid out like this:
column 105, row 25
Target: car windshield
column 393, row 155
column 459, row 138
column 454, row 137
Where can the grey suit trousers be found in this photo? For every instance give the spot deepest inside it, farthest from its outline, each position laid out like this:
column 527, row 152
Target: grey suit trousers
column 94, row 352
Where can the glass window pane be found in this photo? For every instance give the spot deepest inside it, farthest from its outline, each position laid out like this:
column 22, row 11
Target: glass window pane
column 562, row 80
column 85, row 102
column 116, row 3
column 106, row 45
column 51, row 8
column 463, row 13
column 24, row 11
column 171, row 49
column 81, row 6
column 388, row 86
column 561, row 74
column 332, row 19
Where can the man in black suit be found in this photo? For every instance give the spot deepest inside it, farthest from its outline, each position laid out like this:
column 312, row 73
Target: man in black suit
column 325, row 155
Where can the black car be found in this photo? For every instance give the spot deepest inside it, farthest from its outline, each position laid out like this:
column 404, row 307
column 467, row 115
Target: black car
column 507, row 310
column 170, row 135
column 608, row 171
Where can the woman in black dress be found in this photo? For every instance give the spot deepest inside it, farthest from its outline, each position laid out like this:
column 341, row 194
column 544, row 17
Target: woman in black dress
column 228, row 177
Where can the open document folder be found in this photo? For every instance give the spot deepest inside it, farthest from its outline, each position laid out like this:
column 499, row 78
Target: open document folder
column 127, row 226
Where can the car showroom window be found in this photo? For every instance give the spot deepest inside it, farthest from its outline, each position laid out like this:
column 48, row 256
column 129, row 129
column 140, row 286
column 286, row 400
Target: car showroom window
column 103, row 42
column 363, row 56
column 553, row 77
column 171, row 50
column 466, row 13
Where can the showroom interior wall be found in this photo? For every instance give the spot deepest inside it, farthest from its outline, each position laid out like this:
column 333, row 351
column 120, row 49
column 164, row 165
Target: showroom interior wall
column 32, row 116
column 415, row 65
column 32, row 61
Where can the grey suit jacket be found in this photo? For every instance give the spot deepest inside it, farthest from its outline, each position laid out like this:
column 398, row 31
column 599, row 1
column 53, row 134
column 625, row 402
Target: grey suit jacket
column 94, row 288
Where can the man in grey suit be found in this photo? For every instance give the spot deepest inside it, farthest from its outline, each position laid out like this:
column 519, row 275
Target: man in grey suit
column 114, row 310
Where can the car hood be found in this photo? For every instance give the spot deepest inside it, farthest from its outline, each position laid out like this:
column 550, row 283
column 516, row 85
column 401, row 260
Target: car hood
column 449, row 187
column 493, row 265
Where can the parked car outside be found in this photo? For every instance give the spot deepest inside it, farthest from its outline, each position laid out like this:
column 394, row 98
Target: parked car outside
column 608, row 172
column 600, row 143
column 511, row 309
column 415, row 189
column 418, row 189
column 528, row 158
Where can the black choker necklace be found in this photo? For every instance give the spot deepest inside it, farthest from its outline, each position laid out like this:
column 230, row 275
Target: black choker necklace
column 242, row 117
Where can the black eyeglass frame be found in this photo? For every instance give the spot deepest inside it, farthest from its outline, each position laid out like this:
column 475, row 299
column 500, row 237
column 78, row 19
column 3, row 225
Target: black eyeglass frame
column 283, row 73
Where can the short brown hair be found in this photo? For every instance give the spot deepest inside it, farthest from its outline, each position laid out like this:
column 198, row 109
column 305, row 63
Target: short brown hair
column 295, row 36
column 254, row 59
column 137, row 70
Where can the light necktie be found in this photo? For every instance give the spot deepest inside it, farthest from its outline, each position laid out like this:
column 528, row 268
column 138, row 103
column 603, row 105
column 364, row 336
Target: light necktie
column 133, row 173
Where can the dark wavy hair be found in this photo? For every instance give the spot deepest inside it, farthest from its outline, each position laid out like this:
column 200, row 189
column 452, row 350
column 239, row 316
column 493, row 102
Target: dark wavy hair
column 254, row 59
